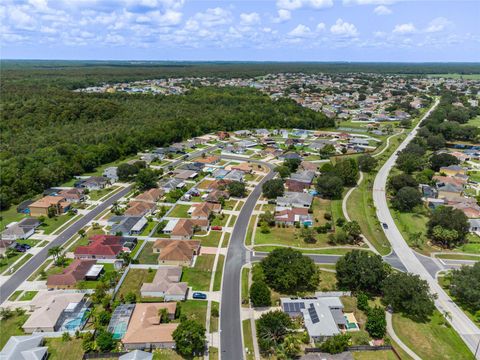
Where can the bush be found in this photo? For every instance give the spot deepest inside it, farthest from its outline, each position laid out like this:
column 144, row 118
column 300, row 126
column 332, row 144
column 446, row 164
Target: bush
column 336, row 344
column 362, row 301
column 376, row 323
column 260, row 294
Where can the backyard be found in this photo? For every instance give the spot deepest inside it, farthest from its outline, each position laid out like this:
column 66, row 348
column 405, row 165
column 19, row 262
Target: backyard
column 11, row 327
column 147, row 256
column 134, row 281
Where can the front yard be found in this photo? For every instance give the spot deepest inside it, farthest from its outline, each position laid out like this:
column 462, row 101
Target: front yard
column 180, row 211
column 288, row 236
column 199, row 276
column 134, row 281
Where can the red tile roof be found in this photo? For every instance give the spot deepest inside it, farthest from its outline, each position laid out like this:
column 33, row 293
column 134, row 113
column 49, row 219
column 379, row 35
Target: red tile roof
column 101, row 245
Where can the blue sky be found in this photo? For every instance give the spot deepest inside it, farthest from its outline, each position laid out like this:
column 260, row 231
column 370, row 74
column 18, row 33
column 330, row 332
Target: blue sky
column 282, row 30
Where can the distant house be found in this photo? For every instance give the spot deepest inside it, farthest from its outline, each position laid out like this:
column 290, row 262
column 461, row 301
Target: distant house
column 222, row 135
column 244, row 167
column 104, row 247
column 183, row 229
column 211, row 160
column 295, row 199
column 72, row 195
column 72, row 274
column 140, row 208
column 111, row 174
column 262, row 132
column 296, row 186
column 453, row 170
column 166, row 284
column 93, row 183
column 428, row 191
column 359, row 141
column 195, row 166
column 21, row 230
column 234, row 175
column 127, row 225
column 24, row 347
column 293, row 215
column 186, row 175
column 41, row 207
column 305, row 176
column 150, row 196
column 289, row 156
column 307, row 165
column 202, row 211
column 216, row 195
column 176, row 252
column 449, row 191
column 145, row 331
column 468, row 206
column 171, row 184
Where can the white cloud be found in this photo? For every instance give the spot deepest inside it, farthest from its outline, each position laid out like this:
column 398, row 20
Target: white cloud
column 438, row 24
column 213, row 17
column 382, row 10
column 283, row 15
column 301, row 31
column 368, row 2
column 249, row 18
column 344, row 29
column 298, row 4
column 114, row 39
column 320, row 27
column 403, row 29
column 20, row 19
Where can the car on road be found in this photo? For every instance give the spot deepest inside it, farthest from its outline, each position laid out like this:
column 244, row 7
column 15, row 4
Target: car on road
column 199, row 295
column 385, row 226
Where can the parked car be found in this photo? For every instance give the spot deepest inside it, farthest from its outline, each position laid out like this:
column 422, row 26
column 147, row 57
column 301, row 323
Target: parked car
column 199, row 295
column 20, row 248
column 385, row 226
column 218, row 228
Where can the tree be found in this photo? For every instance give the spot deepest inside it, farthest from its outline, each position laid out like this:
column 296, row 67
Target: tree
column 347, row 170
column 82, row 232
column 329, row 186
column 327, row 151
column 267, row 217
column 376, row 323
column 465, row 286
column 104, row 318
column 290, row 348
column 361, row 271
column 308, row 235
column 367, row 163
column 105, row 341
column 408, row 294
column 260, row 294
column 237, row 189
column 409, row 162
column 288, row 271
column 440, row 160
column 189, row 338
column 400, row 181
column 406, row 123
column 292, row 164
column 362, row 301
column 436, row 142
column 130, row 297
column 283, row 171
column 336, row 344
column 450, row 219
column 352, row 230
column 126, row 171
column 163, row 315
column 272, row 328
column 273, row 188
column 55, row 252
column 406, row 199
column 146, row 179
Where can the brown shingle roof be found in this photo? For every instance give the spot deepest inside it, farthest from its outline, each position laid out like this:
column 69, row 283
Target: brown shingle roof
column 176, row 250
column 76, row 271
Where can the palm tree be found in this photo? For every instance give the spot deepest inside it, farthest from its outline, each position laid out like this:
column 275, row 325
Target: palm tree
column 55, row 252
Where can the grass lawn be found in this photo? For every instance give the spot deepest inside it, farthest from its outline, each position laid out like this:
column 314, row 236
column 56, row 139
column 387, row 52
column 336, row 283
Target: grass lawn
column 98, row 194
column 245, row 295
column 226, row 240
column 43, row 243
column 36, row 274
column 136, row 248
column 11, row 327
column 28, row 295
column 52, row 224
column 204, row 184
column 328, row 281
column 167, row 354
column 360, row 208
column 248, row 339
column 230, row 204
column 64, row 350
column 147, row 256
column 410, row 223
column 456, row 76
column 374, row 355
column 6, row 262
column 15, row 295
column 150, row 225
column 134, row 280
column 199, row 276
column 288, row 236
column 180, row 211
column 212, row 353
column 220, row 220
column 233, row 220
column 320, row 207
column 331, row 251
column 30, row 242
column 194, row 309
column 249, row 235
column 431, row 340
column 19, row 263
column 458, row 257
column 212, row 239
column 214, row 319
column 217, row 281
column 10, row 215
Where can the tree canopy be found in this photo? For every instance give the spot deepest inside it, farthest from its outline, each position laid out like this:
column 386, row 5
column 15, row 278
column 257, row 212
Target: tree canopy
column 273, row 188
column 189, row 337
column 465, row 286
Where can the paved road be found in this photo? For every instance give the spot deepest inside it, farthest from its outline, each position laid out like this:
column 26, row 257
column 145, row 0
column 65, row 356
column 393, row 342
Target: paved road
column 231, row 344
column 460, row 322
column 34, row 263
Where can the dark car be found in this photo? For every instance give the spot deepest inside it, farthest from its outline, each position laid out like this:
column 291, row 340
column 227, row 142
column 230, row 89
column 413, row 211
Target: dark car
column 199, row 295
column 385, row 226
column 20, row 248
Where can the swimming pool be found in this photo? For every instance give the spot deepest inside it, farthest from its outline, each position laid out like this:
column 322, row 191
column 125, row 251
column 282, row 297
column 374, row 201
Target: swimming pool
column 76, row 321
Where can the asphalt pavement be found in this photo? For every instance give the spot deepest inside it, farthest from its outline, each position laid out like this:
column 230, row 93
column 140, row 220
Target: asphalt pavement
column 469, row 332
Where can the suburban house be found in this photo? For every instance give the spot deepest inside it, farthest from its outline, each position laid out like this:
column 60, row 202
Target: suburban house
column 176, row 252
column 293, row 215
column 127, row 225
column 186, row 175
column 468, row 206
column 119, row 320
column 24, row 347
column 428, row 191
column 140, row 208
column 104, row 247
column 322, row 315
column 288, row 156
column 474, row 225
column 234, row 175
column 150, row 196
column 72, row 274
column 296, row 186
column 449, row 191
column 202, row 211
column 168, row 185
column 245, row 167
column 295, row 199
column 41, row 207
column 166, row 284
column 72, row 195
column 21, row 230
column 215, row 196
column 305, row 176
column 55, row 311
column 453, row 170
column 183, row 229
column 111, row 174
column 93, row 183
column 308, row 165
column 222, row 135
column 211, row 160
column 145, row 330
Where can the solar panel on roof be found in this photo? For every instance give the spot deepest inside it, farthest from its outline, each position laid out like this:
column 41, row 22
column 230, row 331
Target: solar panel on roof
column 313, row 314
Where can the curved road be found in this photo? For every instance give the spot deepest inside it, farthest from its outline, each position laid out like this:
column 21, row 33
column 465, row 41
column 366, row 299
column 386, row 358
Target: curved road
column 231, row 344
column 469, row 332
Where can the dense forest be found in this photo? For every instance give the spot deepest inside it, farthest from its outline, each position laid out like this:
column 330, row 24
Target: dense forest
column 49, row 134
